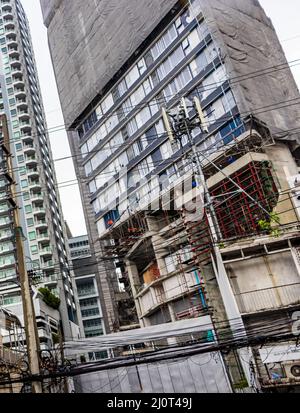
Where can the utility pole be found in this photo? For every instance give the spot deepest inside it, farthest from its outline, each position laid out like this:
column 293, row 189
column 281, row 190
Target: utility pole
column 183, row 126
column 32, row 340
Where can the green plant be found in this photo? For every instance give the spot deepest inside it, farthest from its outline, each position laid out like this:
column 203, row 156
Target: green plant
column 55, row 338
column 268, row 226
column 49, row 298
column 241, row 384
column 264, row 225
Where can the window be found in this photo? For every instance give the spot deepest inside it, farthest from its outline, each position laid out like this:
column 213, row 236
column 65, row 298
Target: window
column 111, row 123
column 130, row 153
column 156, row 157
column 18, row 147
column 170, row 63
column 141, row 66
column 32, row 235
column 20, row 158
column 133, row 177
column 34, row 249
column 28, row 209
column 142, row 117
column 22, row 170
column 24, row 183
column 132, row 76
column 30, row 222
column 107, row 103
column 137, row 147
column 164, row 42
column 122, row 87
column 8, row 80
column 15, row 124
column 132, row 127
column 11, row 299
column 145, row 167
column 92, row 323
column 12, row 101
column 26, row 196
column 88, row 168
column 7, row 273
column 137, row 96
column 228, row 101
column 166, row 150
column 198, row 64
column 89, row 302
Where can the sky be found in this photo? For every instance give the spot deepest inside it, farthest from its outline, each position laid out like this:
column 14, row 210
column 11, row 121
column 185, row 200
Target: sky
column 285, row 20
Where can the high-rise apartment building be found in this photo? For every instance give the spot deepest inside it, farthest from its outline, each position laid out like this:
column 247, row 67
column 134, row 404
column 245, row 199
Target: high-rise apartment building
column 115, row 76
column 85, row 270
column 38, row 201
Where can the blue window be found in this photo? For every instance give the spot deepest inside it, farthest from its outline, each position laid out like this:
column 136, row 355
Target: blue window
column 233, row 129
column 111, row 217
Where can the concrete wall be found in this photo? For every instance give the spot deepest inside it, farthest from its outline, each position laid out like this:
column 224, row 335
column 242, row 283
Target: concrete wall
column 255, row 282
column 249, row 43
column 203, row 373
column 91, row 40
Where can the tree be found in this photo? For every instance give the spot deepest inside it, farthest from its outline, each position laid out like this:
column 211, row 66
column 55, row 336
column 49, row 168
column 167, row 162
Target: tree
column 49, row 298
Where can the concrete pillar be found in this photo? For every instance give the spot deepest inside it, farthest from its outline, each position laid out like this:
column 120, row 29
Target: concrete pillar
column 284, row 166
column 133, row 275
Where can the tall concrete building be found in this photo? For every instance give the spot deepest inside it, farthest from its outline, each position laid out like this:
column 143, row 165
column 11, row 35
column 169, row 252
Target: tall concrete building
column 118, row 65
column 47, row 256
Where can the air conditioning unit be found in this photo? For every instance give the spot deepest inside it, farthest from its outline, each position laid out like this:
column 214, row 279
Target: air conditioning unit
column 292, row 369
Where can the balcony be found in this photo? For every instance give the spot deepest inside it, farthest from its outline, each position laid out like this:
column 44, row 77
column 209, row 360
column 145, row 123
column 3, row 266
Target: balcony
column 18, row 83
column 33, row 173
column 50, row 279
column 35, row 185
column 21, row 104
column 13, row 52
column 7, row 13
column 20, row 93
column 23, row 115
column 43, row 237
column 37, row 197
column 17, row 73
column 41, row 224
column 47, row 265
column 27, row 139
column 38, row 211
column 6, row 7
column 9, row 25
column 7, row 223
column 15, row 65
column 10, row 33
column 45, row 252
column 31, row 160
column 28, row 149
column 12, row 42
column 268, row 298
